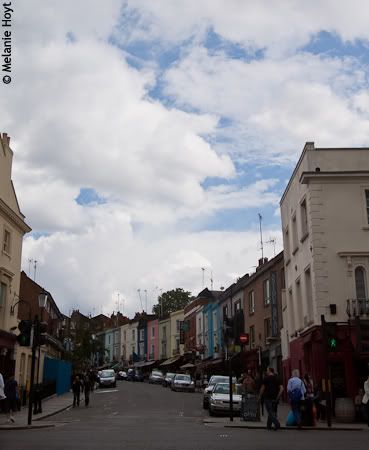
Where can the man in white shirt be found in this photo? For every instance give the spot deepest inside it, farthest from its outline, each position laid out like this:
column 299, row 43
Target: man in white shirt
column 296, row 393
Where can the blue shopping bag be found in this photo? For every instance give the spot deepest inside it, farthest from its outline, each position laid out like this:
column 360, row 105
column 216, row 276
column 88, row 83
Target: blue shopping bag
column 290, row 421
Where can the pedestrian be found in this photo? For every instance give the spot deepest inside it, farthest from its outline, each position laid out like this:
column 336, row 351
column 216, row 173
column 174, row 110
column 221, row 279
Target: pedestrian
column 308, row 416
column 271, row 390
column 10, row 390
column 2, row 394
column 248, row 384
column 76, row 387
column 296, row 393
column 87, row 389
column 358, row 400
column 365, row 399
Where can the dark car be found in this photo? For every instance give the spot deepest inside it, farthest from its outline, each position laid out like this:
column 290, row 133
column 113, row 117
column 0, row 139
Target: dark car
column 131, row 375
column 139, row 376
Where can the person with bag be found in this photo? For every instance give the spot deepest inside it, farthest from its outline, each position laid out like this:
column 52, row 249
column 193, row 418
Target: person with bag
column 365, row 400
column 2, row 394
column 296, row 393
column 87, row 389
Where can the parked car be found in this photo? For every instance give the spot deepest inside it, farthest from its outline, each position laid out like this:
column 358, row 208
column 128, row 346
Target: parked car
column 156, row 377
column 168, row 379
column 107, row 378
column 219, row 401
column 131, row 375
column 139, row 376
column 122, row 375
column 212, row 382
column 182, row 382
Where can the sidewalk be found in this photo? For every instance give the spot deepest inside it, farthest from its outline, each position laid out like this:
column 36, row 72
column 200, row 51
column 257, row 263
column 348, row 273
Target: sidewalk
column 283, row 410
column 50, row 406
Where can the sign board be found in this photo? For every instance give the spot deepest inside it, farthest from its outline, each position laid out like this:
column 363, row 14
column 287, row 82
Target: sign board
column 250, row 408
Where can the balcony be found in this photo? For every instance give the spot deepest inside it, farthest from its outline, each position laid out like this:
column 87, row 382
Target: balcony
column 357, row 307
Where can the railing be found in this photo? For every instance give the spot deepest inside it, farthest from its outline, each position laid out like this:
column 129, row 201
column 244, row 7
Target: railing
column 357, row 307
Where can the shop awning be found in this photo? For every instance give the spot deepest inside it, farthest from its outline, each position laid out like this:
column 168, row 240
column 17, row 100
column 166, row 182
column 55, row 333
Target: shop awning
column 144, row 363
column 187, row 366
column 115, row 366
column 171, row 361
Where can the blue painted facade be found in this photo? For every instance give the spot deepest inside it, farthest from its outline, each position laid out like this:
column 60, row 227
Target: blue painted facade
column 58, row 371
column 142, row 340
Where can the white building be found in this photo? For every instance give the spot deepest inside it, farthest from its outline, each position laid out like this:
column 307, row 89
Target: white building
column 325, row 220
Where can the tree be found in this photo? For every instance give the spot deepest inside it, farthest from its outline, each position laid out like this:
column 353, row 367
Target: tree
column 171, row 301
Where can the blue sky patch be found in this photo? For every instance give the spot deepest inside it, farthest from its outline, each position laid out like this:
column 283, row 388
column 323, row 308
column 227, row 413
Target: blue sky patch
column 88, row 196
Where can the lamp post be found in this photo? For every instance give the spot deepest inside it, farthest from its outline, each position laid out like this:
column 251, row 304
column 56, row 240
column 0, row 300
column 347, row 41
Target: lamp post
column 36, row 333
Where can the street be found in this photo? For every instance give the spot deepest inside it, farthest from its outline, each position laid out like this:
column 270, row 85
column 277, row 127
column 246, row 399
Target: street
column 143, row 416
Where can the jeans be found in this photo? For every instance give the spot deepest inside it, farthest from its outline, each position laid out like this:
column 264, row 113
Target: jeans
column 295, row 406
column 271, row 407
column 76, row 398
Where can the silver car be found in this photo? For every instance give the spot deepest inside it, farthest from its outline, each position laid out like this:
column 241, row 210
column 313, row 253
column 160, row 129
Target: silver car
column 156, row 377
column 168, row 379
column 209, row 388
column 182, row 382
column 219, row 401
column 107, row 378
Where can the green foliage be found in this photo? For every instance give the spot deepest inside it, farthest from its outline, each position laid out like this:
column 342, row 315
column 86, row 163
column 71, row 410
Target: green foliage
column 84, row 348
column 171, row 301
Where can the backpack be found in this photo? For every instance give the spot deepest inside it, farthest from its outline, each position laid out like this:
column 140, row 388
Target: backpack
column 296, row 394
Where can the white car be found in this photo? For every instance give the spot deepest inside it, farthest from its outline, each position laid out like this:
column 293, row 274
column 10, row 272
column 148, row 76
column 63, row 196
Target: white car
column 182, row 382
column 156, row 377
column 209, row 388
column 219, row 401
column 107, row 378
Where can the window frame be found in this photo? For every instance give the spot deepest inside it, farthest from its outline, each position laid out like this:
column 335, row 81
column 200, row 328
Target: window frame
column 304, row 220
column 266, row 300
column 251, row 296
column 7, row 232
column 363, row 271
column 3, row 296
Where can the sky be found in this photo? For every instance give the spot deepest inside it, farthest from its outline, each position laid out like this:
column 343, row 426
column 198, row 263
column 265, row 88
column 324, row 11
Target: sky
column 149, row 135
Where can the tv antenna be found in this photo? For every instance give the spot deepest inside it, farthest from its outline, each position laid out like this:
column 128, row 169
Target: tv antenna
column 211, row 280
column 261, row 236
column 139, row 294
column 203, row 271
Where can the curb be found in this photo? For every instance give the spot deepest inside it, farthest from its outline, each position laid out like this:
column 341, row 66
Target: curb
column 295, row 428
column 53, row 413
column 26, row 427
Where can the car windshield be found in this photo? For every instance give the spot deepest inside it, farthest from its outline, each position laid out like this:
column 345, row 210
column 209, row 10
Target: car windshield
column 157, row 373
column 183, row 377
column 107, row 373
column 218, row 379
column 170, row 375
column 221, row 388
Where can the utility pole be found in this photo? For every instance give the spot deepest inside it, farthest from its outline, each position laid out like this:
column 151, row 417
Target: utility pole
column 146, row 298
column 211, row 280
column 139, row 294
column 34, row 267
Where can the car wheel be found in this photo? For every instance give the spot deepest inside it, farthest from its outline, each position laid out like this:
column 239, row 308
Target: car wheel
column 114, row 385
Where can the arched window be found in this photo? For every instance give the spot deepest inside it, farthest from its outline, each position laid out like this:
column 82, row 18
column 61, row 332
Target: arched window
column 360, row 283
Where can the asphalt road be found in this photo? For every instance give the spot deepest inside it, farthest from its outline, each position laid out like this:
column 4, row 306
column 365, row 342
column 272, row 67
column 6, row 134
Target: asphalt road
column 148, row 417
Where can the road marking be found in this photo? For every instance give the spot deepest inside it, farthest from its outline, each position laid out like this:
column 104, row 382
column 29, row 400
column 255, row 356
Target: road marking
column 223, row 435
column 181, row 414
column 104, row 392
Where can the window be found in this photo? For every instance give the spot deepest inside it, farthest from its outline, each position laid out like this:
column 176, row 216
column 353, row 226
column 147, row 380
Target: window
column 225, row 311
column 153, row 331
column 283, row 279
column 367, row 204
column 164, row 332
column 178, row 325
column 304, row 220
column 309, row 294
column 237, row 306
column 142, row 335
column 133, row 334
column 215, row 322
column 287, row 244
column 251, row 302
column 152, row 351
column 295, row 244
column 177, row 343
column 2, row 294
column 6, row 242
column 252, row 335
column 360, row 283
column 199, row 323
column 125, row 335
column 266, row 292
column 267, row 329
